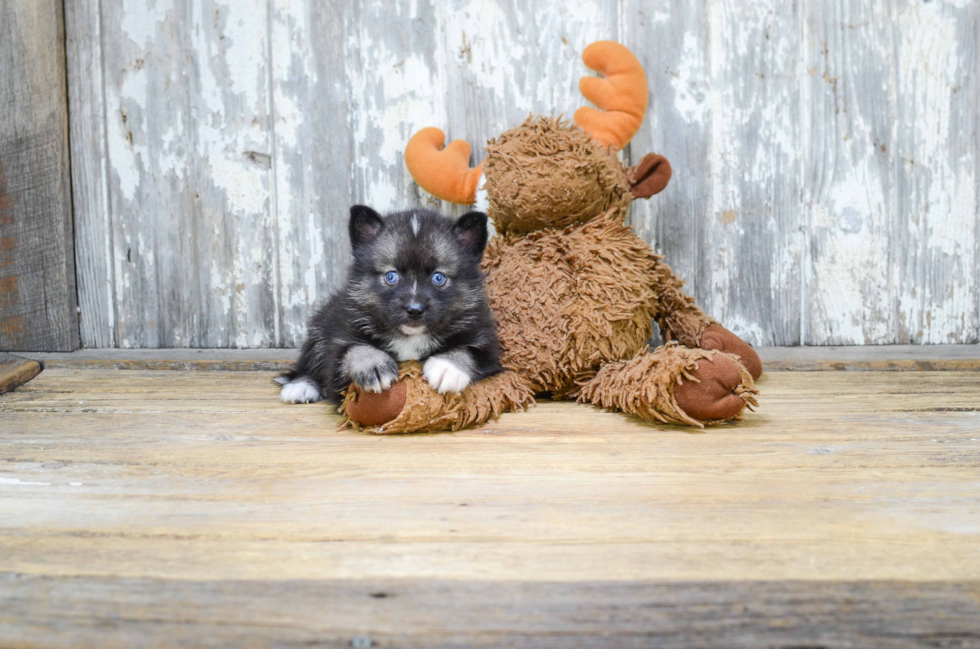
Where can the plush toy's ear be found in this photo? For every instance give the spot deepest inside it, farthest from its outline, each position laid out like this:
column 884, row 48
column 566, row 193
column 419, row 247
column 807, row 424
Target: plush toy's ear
column 444, row 173
column 622, row 95
column 650, row 176
column 364, row 226
column 471, row 228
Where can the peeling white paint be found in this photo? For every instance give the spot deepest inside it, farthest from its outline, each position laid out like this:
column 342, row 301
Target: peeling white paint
column 690, row 85
column 391, row 106
column 825, row 155
column 942, row 184
column 140, row 19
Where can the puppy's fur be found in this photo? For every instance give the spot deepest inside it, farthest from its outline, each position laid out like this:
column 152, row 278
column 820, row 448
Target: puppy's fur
column 365, row 329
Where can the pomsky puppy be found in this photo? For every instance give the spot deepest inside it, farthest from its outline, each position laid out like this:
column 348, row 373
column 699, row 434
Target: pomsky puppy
column 414, row 291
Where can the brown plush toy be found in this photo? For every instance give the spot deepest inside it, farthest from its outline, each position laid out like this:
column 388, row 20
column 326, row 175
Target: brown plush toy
column 574, row 291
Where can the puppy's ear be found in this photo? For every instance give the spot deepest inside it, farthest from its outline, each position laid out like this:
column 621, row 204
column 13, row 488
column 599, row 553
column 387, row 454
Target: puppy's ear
column 471, row 230
column 365, row 225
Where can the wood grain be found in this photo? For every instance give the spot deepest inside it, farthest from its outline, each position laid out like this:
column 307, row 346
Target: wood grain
column 314, row 150
column 16, row 371
column 849, row 116
column 120, row 612
column 204, row 475
column 89, row 174
column 189, row 145
column 193, row 505
column 935, row 245
column 38, row 302
column 867, row 358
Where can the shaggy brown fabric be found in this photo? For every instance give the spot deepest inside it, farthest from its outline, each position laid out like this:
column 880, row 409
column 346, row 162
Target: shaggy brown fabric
column 548, row 173
column 425, row 410
column 645, row 385
column 597, row 288
column 594, row 301
column 523, row 271
column 678, row 316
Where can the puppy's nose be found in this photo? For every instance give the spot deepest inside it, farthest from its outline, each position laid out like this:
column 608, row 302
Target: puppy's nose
column 415, row 309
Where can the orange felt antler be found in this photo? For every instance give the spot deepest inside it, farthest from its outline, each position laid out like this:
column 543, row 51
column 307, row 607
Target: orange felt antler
column 622, row 94
column 444, row 173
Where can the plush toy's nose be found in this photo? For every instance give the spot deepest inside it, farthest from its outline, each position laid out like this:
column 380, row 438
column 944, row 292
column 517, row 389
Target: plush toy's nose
column 415, row 309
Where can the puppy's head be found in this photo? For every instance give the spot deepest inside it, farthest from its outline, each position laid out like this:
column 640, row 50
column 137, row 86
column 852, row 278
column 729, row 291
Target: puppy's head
column 417, row 272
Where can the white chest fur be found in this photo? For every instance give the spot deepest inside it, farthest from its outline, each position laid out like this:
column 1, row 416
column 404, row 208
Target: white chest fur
column 410, row 348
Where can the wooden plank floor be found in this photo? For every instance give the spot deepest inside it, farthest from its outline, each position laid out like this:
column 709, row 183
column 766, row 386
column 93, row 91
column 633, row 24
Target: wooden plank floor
column 16, row 371
column 191, row 508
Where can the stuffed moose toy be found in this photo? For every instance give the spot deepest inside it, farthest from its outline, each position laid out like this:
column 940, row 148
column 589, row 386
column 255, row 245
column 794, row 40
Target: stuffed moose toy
column 573, row 290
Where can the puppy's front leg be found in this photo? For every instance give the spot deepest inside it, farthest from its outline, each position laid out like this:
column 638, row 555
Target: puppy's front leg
column 450, row 372
column 370, row 368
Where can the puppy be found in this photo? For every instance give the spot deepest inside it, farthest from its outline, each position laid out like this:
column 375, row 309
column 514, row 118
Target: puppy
column 414, row 291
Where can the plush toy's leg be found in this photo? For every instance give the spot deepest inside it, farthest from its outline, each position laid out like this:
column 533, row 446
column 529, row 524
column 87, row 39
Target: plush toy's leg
column 680, row 319
column 676, row 385
column 411, row 406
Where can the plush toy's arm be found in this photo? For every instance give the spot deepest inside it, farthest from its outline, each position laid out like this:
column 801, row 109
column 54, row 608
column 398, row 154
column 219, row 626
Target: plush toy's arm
column 680, row 319
column 444, row 173
column 677, row 315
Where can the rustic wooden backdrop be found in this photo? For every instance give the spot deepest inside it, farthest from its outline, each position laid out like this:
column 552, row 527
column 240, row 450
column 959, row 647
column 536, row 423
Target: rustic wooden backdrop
column 825, row 152
column 37, row 267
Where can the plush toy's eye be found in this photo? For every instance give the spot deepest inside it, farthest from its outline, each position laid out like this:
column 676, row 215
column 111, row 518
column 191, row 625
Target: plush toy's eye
column 438, row 279
column 391, row 277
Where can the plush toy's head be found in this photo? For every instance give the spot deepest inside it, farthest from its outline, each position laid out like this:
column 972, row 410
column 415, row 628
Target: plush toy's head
column 547, row 173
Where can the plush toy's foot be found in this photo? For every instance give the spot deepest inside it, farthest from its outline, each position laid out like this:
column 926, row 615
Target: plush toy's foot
column 676, row 385
column 718, row 393
column 718, row 338
column 367, row 409
column 411, row 406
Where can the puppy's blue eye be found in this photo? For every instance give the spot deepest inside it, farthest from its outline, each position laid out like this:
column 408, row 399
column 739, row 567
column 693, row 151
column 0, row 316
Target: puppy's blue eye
column 391, row 277
column 438, row 279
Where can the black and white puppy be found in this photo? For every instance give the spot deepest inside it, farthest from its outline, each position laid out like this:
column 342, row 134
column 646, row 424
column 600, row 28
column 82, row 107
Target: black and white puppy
column 414, row 291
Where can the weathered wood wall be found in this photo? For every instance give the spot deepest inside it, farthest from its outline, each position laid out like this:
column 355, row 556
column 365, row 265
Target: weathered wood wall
column 38, row 307
column 825, row 152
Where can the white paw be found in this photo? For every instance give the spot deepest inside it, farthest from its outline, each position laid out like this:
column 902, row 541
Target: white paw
column 378, row 383
column 370, row 368
column 299, row 391
column 444, row 375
